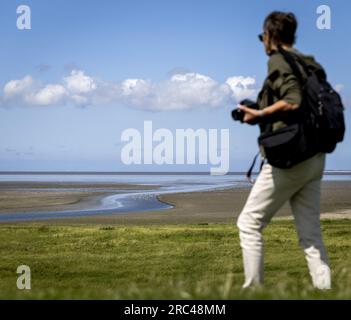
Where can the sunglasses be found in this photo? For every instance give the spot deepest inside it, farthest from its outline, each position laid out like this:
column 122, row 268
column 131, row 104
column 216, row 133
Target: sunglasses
column 261, row 35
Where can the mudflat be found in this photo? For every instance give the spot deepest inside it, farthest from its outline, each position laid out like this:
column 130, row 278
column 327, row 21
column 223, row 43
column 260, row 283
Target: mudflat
column 216, row 206
column 56, row 196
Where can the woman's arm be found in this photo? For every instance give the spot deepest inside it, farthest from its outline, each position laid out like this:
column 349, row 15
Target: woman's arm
column 253, row 116
column 282, row 81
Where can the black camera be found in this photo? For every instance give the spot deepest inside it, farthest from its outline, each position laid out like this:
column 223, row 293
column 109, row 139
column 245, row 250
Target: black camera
column 238, row 114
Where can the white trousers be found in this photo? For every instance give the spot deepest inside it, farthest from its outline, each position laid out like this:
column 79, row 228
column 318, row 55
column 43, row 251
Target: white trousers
column 273, row 187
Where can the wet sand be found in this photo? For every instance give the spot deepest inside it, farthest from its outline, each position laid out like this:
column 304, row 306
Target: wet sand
column 48, row 196
column 216, row 206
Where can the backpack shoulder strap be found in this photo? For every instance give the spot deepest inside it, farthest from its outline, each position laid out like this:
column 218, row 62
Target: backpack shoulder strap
column 289, row 58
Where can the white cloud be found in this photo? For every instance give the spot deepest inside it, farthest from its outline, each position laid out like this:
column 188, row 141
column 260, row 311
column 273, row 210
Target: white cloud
column 50, row 94
column 136, row 87
column 242, row 87
column 191, row 77
column 78, row 82
column 189, row 90
column 180, row 91
column 17, row 87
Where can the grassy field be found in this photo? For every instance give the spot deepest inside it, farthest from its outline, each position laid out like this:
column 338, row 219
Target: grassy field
column 200, row 261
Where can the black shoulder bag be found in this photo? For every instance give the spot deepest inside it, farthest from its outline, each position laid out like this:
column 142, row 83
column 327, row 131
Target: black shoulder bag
column 287, row 146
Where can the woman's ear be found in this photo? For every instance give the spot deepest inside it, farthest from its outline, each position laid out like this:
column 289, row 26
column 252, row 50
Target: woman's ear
column 271, row 45
column 268, row 44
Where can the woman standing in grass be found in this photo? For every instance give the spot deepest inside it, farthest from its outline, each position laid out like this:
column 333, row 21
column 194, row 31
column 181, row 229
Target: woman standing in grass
column 300, row 185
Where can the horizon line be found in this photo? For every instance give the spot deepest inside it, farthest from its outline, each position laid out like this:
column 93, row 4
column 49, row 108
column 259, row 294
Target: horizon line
column 329, row 171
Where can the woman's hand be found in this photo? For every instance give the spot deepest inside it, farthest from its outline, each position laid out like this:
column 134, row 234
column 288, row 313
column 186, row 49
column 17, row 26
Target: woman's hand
column 251, row 116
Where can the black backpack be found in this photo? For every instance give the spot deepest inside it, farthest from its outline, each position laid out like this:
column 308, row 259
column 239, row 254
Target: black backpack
column 318, row 123
column 322, row 108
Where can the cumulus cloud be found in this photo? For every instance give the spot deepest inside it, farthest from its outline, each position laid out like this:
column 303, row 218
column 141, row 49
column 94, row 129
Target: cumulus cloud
column 132, row 87
column 50, row 94
column 242, row 87
column 79, row 87
column 19, row 87
column 77, row 82
column 180, row 91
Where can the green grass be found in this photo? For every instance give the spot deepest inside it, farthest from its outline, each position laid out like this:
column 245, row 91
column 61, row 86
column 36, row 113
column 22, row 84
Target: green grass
column 163, row 262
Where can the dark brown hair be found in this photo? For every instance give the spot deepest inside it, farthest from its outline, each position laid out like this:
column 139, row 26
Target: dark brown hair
column 281, row 27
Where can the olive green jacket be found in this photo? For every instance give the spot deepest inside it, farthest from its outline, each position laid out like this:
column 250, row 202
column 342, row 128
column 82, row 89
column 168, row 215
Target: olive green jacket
column 283, row 82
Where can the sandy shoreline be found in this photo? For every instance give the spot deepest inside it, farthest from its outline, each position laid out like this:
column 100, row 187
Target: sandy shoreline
column 48, row 196
column 193, row 207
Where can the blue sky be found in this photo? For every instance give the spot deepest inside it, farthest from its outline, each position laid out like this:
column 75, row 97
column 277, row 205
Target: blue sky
column 69, row 112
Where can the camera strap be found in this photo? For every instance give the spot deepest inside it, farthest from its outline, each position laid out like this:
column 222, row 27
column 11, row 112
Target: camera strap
column 249, row 172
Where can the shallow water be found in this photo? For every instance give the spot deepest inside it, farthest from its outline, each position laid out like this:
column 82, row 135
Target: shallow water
column 128, row 200
column 125, row 200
